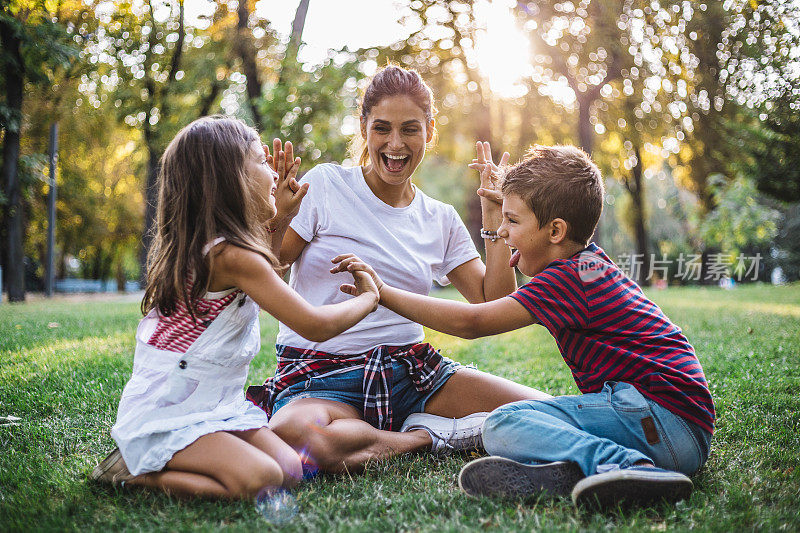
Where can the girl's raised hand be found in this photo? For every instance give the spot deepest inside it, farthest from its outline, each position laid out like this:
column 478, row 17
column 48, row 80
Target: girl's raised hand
column 489, row 172
column 289, row 192
column 362, row 284
column 364, row 276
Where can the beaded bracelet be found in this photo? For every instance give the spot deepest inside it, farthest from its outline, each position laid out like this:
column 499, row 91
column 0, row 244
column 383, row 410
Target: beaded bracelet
column 489, row 234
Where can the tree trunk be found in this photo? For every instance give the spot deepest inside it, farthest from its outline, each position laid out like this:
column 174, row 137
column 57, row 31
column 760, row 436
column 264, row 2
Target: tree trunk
column 97, row 265
column 158, row 99
column 585, row 130
column 119, row 273
column 247, row 52
column 298, row 24
column 586, row 138
column 289, row 62
column 483, row 132
column 637, row 195
column 151, row 199
column 175, row 64
column 526, row 133
column 14, row 258
column 210, row 98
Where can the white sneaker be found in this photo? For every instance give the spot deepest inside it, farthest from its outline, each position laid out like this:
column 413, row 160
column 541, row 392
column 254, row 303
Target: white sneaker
column 449, row 434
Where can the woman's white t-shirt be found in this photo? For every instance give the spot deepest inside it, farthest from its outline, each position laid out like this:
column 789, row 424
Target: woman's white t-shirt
column 408, row 247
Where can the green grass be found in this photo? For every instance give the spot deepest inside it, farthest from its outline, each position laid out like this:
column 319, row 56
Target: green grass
column 63, row 365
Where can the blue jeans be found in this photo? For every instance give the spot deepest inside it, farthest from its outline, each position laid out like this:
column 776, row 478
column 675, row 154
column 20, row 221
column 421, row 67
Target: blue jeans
column 616, row 425
column 346, row 387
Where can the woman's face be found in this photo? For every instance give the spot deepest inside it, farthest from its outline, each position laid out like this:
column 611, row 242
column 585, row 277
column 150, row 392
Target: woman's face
column 396, row 132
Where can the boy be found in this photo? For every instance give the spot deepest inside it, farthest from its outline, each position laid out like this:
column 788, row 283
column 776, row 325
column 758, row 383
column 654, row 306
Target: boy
column 645, row 418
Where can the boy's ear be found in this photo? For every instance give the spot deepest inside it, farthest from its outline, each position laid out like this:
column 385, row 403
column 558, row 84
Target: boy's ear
column 558, row 230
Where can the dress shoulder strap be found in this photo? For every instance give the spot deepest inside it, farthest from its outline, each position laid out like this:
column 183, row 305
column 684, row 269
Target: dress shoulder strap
column 207, row 248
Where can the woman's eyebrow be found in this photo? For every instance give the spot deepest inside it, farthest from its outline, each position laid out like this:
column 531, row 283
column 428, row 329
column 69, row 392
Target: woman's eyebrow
column 413, row 121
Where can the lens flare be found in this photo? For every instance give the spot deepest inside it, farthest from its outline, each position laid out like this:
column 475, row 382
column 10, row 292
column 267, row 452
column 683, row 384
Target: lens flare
column 277, row 506
column 310, row 466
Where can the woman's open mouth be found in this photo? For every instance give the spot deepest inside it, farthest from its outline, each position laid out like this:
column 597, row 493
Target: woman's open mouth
column 394, row 163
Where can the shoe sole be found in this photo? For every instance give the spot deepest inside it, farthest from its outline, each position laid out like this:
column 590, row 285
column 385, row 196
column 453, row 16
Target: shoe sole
column 498, row 476
column 631, row 488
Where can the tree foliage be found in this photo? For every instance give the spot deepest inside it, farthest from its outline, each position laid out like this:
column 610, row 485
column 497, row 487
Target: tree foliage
column 741, row 220
column 34, row 48
column 669, row 96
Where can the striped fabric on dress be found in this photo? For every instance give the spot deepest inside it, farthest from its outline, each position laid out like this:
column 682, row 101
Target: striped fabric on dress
column 608, row 330
column 178, row 331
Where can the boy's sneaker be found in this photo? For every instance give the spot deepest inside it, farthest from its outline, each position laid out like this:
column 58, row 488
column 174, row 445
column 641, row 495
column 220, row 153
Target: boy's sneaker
column 635, row 485
column 449, row 434
column 112, row 469
column 498, row 476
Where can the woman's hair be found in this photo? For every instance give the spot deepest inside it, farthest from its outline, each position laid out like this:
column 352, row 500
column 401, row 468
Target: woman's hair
column 204, row 192
column 392, row 81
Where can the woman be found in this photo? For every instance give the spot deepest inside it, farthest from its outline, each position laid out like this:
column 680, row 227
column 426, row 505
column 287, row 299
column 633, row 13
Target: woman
column 341, row 402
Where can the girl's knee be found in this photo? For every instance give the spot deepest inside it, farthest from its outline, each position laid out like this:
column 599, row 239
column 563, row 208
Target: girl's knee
column 287, row 458
column 291, row 467
column 257, row 475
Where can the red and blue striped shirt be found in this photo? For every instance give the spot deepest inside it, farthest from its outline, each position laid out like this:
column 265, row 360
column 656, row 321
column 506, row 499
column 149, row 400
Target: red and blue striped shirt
column 607, row 330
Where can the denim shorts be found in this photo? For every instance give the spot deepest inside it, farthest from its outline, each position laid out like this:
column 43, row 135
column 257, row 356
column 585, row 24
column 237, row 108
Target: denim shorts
column 347, row 388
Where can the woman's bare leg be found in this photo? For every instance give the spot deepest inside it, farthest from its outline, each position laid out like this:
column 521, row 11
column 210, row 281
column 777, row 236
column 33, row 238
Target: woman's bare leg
column 334, row 436
column 217, row 465
column 472, row 391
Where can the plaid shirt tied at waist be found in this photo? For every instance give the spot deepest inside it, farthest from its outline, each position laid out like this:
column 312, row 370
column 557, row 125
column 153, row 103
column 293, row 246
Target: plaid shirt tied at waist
column 295, row 366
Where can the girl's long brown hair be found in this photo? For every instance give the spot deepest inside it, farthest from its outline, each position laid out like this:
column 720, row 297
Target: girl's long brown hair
column 204, row 192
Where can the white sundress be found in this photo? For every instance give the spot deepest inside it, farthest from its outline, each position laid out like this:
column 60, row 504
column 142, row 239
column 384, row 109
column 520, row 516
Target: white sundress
column 174, row 398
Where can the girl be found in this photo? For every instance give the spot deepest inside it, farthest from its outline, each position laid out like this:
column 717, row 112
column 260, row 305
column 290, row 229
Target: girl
column 183, row 424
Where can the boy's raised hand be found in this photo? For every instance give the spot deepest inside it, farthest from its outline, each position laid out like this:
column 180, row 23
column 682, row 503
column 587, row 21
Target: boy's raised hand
column 290, row 193
column 360, row 270
column 489, row 172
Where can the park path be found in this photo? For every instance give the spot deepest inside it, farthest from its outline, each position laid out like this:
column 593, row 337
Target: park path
column 84, row 297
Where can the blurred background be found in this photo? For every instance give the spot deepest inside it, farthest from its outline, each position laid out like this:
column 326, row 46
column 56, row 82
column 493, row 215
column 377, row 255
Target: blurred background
column 691, row 110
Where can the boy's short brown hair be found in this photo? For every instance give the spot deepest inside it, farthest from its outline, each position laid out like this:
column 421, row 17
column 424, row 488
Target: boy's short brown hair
column 559, row 182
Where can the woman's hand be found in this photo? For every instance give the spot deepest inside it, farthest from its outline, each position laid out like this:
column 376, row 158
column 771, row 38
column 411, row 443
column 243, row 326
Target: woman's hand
column 490, row 173
column 290, row 193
